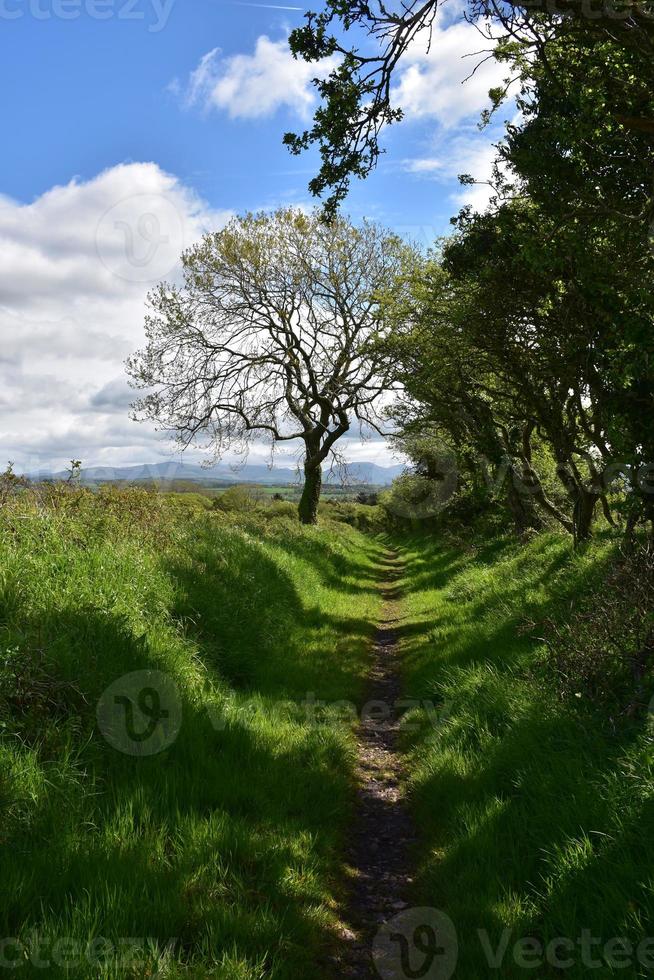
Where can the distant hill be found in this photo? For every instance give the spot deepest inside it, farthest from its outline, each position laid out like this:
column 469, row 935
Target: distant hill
column 358, row 473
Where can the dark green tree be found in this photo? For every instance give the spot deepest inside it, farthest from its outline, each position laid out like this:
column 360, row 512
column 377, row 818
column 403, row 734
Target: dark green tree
column 372, row 39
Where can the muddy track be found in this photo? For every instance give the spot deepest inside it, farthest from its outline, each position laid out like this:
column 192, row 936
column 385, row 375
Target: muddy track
column 378, row 857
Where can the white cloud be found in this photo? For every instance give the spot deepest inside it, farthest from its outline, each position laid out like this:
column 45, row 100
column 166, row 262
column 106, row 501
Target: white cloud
column 464, row 151
column 252, row 86
column 475, row 157
column 77, row 264
column 423, row 165
column 448, row 77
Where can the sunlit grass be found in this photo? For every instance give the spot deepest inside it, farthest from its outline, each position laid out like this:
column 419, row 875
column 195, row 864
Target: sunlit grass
column 535, row 814
column 221, row 855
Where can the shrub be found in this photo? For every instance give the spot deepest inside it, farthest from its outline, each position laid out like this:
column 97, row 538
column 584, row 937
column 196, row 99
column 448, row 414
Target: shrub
column 240, row 500
column 282, row 508
column 605, row 650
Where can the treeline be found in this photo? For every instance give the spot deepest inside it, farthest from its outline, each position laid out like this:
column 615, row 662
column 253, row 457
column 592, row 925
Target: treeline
column 525, row 341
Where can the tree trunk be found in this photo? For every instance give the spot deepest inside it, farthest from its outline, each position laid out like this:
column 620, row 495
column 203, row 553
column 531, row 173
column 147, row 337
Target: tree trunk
column 531, row 482
column 308, row 508
column 521, row 505
column 584, row 502
column 584, row 513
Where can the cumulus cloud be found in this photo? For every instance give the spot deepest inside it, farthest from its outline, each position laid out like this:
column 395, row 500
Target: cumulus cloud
column 475, row 157
column 252, row 86
column 77, row 264
column 448, row 77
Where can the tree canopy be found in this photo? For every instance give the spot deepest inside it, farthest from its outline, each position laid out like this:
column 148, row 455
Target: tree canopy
column 597, row 55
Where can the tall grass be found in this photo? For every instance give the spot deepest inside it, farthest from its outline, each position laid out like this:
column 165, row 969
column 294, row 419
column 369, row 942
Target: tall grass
column 535, row 812
column 220, row 855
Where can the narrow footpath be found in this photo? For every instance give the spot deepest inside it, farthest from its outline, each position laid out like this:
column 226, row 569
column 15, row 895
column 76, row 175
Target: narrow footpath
column 383, row 830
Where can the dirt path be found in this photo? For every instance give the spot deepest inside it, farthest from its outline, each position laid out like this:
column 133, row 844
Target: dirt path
column 383, row 831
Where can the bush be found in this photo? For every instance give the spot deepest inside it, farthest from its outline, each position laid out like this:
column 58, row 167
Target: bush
column 283, row 508
column 240, row 500
column 605, row 650
column 190, row 502
column 363, row 517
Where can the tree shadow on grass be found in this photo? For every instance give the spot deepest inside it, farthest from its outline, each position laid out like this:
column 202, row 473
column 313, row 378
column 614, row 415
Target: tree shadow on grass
column 516, row 788
column 338, row 571
column 526, row 827
column 230, row 835
column 487, row 621
column 256, row 632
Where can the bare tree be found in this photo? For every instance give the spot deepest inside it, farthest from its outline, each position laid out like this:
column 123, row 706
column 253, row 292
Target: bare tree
column 273, row 333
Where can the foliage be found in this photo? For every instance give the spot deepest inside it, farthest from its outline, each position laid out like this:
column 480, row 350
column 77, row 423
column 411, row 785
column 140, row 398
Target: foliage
column 239, row 499
column 370, row 41
column 605, row 649
column 10, row 483
column 528, row 335
column 523, row 334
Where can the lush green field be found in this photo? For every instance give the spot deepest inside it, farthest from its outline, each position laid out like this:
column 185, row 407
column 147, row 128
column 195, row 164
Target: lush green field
column 535, row 811
column 220, row 855
column 260, row 492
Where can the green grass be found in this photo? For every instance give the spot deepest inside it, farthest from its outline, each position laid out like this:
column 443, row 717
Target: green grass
column 221, row 854
column 535, row 813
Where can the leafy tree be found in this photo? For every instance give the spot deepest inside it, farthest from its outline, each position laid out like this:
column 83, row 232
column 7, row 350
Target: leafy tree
column 457, row 399
column 372, row 38
column 518, row 333
column 272, row 334
column 533, row 310
column 584, row 154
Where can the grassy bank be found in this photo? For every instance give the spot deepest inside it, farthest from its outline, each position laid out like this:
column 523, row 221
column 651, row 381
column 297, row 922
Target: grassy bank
column 220, row 854
column 535, row 811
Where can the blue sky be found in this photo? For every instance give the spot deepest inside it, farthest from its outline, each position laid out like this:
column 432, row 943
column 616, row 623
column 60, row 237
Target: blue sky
column 185, row 104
